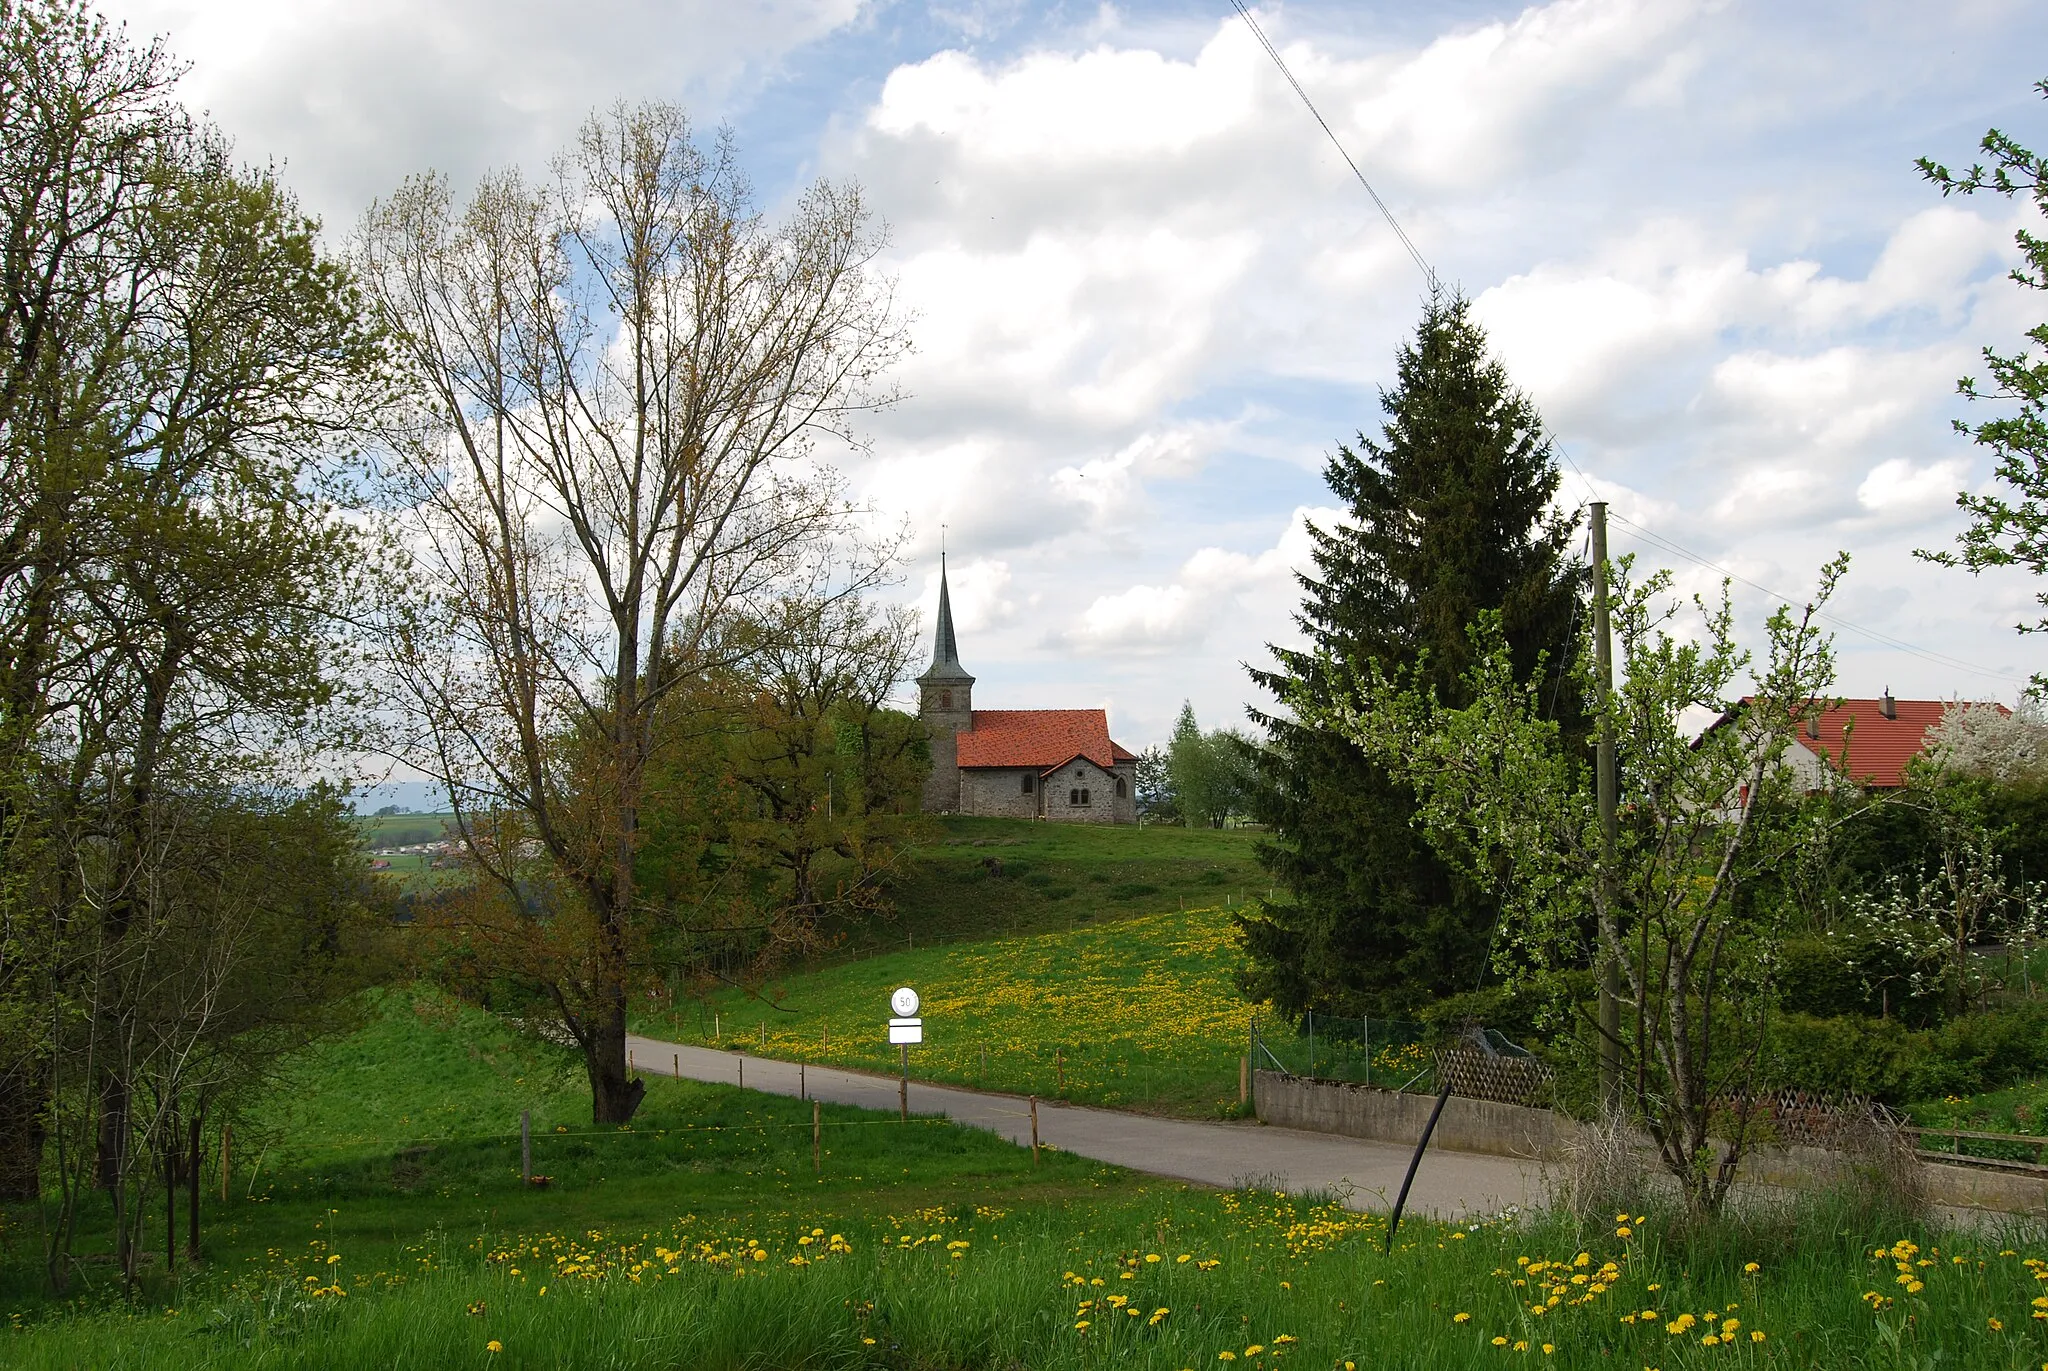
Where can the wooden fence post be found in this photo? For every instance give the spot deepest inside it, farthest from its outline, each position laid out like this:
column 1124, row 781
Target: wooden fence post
column 1244, row 1080
column 676, row 1060
column 803, row 1089
column 1034, row 1130
column 743, row 1070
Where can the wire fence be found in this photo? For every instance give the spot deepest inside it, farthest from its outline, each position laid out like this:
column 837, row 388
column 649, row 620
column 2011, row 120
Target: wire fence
column 1403, row 1055
column 1394, row 1053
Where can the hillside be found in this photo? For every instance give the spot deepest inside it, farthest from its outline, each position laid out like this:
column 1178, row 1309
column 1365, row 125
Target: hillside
column 978, row 878
column 1138, row 1012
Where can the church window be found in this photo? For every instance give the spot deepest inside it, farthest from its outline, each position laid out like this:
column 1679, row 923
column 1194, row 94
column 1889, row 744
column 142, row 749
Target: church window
column 1026, row 778
column 945, row 699
column 1084, row 797
column 1074, row 796
column 1119, row 787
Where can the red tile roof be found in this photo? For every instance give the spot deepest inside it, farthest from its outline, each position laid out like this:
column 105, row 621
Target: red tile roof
column 1040, row 738
column 1879, row 748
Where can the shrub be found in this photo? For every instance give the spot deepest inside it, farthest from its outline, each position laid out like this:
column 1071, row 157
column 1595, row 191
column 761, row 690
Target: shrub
column 1890, row 1061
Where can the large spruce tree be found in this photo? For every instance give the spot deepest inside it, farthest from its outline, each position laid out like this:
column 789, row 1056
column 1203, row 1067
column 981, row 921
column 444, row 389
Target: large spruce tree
column 1450, row 514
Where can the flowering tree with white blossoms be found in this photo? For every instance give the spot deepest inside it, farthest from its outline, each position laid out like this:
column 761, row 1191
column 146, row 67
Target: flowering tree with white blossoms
column 1503, row 797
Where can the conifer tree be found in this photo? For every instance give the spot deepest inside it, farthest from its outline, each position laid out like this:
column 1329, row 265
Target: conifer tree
column 1450, row 514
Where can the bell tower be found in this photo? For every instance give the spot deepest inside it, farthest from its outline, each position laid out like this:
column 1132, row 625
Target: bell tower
column 945, row 701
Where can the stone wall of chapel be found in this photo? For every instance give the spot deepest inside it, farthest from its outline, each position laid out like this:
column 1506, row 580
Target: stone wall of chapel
column 1126, row 803
column 947, row 710
column 1082, row 774
column 998, row 792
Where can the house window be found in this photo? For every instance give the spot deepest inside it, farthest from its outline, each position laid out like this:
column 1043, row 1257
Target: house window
column 1119, row 787
column 1084, row 797
column 1074, row 796
column 1026, row 778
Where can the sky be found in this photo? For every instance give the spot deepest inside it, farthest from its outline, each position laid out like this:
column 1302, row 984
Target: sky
column 1148, row 298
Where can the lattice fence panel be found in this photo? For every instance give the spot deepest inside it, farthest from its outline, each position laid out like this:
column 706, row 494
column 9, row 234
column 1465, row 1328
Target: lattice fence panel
column 1504, row 1080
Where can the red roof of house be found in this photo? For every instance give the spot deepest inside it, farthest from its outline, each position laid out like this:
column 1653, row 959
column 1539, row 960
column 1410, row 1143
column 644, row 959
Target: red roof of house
column 1879, row 748
column 1040, row 738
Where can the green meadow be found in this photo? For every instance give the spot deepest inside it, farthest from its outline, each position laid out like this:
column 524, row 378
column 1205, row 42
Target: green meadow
column 389, row 1226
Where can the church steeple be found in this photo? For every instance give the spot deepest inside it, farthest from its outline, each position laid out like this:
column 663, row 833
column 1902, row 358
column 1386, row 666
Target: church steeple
column 945, row 669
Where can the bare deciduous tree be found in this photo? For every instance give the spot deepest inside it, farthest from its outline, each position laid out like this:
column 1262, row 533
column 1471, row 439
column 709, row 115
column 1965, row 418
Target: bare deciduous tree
column 622, row 376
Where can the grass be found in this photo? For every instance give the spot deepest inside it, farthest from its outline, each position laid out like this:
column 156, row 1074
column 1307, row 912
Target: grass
column 1140, row 1012
column 701, row 1238
column 1053, row 877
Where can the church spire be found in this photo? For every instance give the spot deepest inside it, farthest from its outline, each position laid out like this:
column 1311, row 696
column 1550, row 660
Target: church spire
column 945, row 647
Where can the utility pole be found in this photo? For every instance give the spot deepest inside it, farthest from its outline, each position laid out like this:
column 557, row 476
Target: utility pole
column 1605, row 785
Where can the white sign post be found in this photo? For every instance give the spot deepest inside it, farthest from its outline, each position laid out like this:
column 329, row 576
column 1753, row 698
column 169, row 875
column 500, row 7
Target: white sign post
column 905, row 1028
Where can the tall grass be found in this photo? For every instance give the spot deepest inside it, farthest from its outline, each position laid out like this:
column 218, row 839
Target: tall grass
column 1262, row 1277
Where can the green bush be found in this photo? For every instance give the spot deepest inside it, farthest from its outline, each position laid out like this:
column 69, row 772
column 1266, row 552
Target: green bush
column 1834, row 976
column 1893, row 1062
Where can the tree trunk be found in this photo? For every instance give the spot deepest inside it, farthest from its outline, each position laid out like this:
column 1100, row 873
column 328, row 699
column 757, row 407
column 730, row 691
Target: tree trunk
column 613, row 1098
column 192, row 1158
column 23, row 1093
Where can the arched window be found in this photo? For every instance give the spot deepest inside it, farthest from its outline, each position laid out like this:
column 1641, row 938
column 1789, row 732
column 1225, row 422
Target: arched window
column 1119, row 787
column 1027, row 782
column 945, row 699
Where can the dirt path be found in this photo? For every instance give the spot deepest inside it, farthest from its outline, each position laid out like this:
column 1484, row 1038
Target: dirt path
column 1449, row 1183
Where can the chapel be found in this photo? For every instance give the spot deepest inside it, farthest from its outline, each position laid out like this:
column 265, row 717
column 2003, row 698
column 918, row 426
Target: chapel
column 1056, row 764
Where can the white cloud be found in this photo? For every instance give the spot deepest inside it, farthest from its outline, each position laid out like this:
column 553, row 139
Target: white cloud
column 1151, row 298
column 1899, row 487
column 1214, row 587
column 356, row 94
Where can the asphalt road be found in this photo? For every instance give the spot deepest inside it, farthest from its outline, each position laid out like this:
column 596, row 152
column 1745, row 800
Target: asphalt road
column 1449, row 1184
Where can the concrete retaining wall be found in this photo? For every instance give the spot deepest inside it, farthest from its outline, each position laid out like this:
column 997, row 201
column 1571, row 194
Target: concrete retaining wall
column 1368, row 1111
column 1506, row 1130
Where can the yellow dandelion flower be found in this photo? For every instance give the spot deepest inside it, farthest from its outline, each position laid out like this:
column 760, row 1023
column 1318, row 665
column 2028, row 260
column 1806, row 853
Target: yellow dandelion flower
column 1226, row 1356
column 494, row 1346
column 1497, row 1342
column 1756, row 1335
column 1996, row 1326
column 1461, row 1317
column 1548, row 1348
column 1255, row 1349
column 1709, row 1340
column 1751, row 1268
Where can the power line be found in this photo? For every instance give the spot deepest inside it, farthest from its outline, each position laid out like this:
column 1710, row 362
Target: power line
column 1882, row 639
column 1428, row 272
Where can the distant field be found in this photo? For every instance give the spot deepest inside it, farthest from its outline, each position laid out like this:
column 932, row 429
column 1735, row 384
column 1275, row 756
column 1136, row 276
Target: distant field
column 402, row 830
